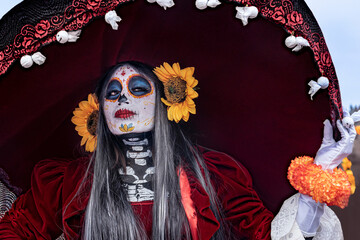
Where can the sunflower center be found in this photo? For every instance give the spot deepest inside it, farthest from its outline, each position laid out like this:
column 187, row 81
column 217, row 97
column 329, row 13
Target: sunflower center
column 175, row 90
column 91, row 123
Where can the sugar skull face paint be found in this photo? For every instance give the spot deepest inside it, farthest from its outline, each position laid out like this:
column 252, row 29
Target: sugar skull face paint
column 129, row 102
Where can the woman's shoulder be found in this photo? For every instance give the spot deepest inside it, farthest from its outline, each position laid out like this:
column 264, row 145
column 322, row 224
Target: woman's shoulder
column 58, row 173
column 57, row 167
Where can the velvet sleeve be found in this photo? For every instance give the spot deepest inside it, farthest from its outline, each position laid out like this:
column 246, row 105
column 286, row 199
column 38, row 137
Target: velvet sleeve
column 37, row 213
column 242, row 207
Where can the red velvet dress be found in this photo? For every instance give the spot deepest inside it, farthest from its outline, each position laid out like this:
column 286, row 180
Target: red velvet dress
column 49, row 207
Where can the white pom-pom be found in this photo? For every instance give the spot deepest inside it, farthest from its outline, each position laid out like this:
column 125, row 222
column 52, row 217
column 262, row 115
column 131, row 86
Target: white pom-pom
column 151, row 1
column 165, row 3
column 26, row 61
column 321, row 83
column 297, row 43
column 201, row 4
column 244, row 13
column 38, row 58
column 112, row 18
column 253, row 12
column 290, row 41
column 213, row 3
column 74, row 35
column 347, row 122
column 62, row 36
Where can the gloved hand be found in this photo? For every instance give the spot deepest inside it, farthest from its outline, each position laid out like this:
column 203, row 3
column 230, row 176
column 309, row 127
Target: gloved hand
column 308, row 215
column 329, row 156
column 331, row 153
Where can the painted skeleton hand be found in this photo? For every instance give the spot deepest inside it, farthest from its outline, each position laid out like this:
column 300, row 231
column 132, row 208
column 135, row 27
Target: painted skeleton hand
column 329, row 156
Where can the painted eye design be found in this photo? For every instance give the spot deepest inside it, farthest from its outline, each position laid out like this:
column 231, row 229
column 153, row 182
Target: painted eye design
column 113, row 90
column 139, row 86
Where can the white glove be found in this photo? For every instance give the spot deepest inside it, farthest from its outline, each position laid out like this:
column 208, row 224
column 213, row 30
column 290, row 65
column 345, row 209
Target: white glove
column 331, row 153
column 308, row 215
column 329, row 156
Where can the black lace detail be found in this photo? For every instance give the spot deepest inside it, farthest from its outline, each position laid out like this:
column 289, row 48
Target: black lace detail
column 34, row 23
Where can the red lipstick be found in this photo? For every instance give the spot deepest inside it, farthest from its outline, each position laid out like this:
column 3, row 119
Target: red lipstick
column 124, row 113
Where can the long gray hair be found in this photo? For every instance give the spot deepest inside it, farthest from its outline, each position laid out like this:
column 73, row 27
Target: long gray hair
column 109, row 215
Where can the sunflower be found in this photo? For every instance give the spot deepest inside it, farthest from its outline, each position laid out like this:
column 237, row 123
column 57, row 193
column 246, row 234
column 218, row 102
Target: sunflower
column 179, row 90
column 85, row 118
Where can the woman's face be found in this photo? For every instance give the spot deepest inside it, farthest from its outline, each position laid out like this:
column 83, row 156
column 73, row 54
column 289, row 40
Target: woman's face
column 129, row 102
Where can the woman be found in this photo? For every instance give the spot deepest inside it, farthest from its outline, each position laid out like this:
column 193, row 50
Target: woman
column 146, row 178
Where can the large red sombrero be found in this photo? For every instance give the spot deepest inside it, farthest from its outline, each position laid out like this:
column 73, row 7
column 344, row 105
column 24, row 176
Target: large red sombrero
column 253, row 101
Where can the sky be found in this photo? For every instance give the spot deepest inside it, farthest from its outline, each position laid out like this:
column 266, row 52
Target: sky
column 341, row 27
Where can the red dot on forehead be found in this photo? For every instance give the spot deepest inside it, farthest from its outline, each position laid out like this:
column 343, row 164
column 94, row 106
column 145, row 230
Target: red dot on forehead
column 123, row 73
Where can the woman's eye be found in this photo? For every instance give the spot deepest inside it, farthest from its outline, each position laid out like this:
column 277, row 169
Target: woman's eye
column 139, row 86
column 138, row 89
column 113, row 93
column 113, row 90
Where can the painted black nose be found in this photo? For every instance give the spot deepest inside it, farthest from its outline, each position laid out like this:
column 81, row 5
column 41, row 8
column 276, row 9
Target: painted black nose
column 123, row 99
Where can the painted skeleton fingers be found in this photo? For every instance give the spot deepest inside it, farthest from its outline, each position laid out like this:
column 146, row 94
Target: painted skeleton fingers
column 331, row 153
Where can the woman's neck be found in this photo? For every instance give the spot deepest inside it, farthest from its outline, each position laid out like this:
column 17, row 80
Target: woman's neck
column 138, row 176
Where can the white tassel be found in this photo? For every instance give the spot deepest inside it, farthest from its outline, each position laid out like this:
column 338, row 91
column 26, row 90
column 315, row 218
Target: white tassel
column 213, row 3
column 163, row 3
column 112, row 18
column 74, row 35
column 26, row 61
column 64, row 36
column 322, row 83
column 244, row 13
column 297, row 43
column 38, row 58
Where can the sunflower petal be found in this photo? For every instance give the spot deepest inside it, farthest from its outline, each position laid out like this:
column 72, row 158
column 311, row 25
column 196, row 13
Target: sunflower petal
column 83, row 141
column 80, row 113
column 164, row 77
column 84, row 105
column 186, row 117
column 167, row 103
column 184, row 109
column 192, row 93
column 176, row 67
column 178, row 113
column 170, row 113
column 90, row 145
column 78, row 121
column 194, row 84
column 169, row 69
